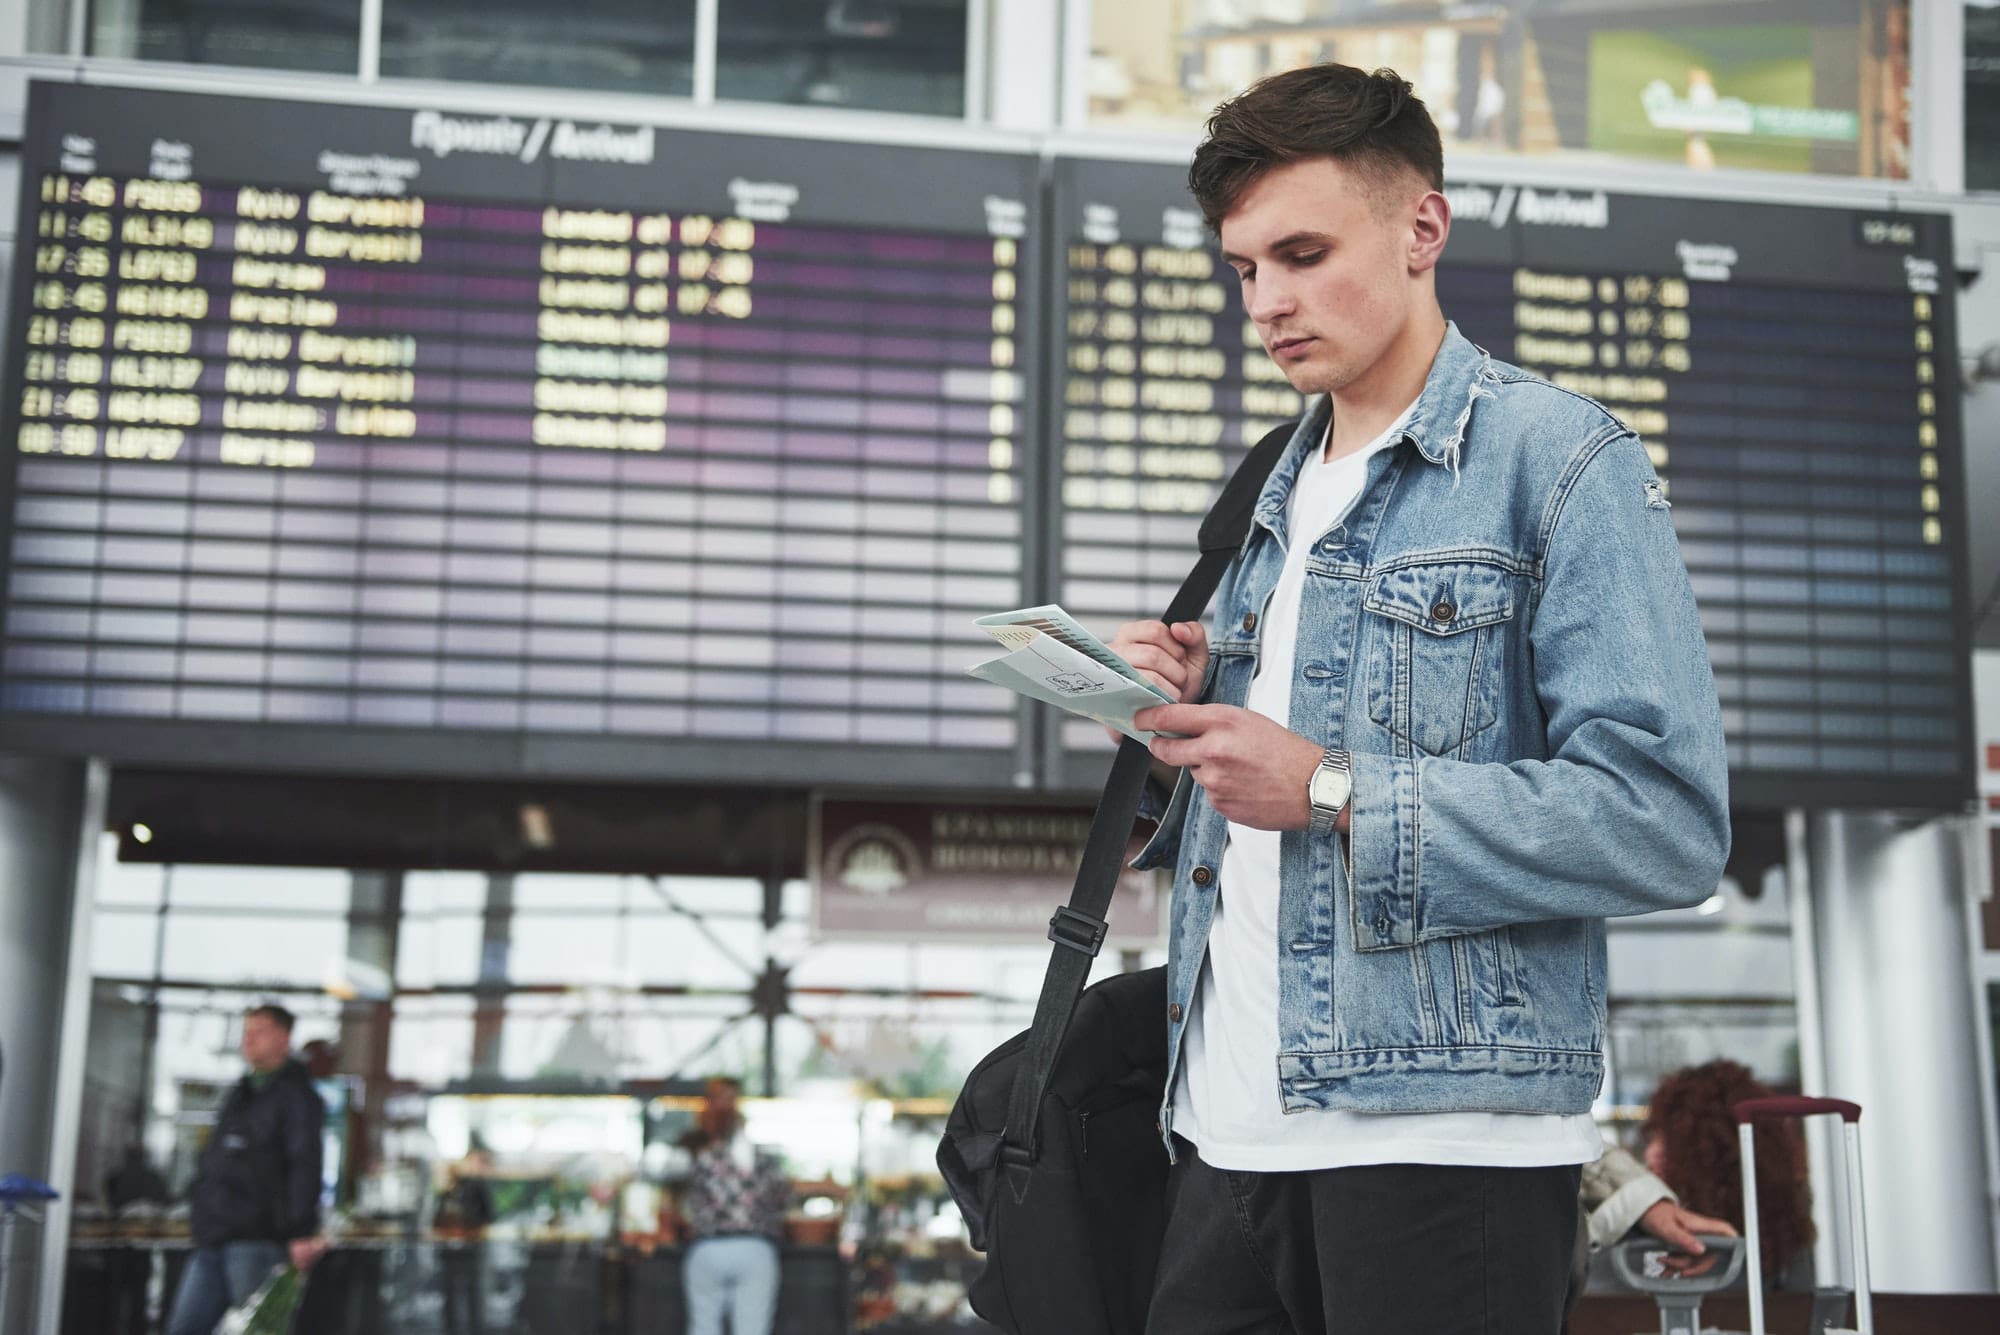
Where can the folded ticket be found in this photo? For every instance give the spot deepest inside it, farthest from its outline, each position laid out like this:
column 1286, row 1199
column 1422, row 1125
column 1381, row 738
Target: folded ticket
column 1052, row 658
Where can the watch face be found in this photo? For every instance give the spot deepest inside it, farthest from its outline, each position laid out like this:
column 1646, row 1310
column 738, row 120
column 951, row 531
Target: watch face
column 1329, row 788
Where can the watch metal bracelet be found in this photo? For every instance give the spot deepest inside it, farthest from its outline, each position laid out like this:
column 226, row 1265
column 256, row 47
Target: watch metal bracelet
column 1324, row 817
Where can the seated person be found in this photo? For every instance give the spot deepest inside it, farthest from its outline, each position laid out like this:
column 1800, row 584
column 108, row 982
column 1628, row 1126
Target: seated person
column 1691, row 1143
column 1618, row 1195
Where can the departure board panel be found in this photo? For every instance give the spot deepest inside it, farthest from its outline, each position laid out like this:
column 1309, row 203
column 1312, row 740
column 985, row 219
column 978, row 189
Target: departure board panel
column 404, row 438
column 1792, row 371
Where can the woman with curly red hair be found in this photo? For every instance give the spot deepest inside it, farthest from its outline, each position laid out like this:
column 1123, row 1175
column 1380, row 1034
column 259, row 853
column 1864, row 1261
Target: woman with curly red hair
column 1691, row 1144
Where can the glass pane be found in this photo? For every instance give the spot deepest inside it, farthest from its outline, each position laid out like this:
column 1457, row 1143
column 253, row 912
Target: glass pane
column 559, row 894
column 430, row 1040
column 444, row 892
column 638, row 46
column 262, row 34
column 438, row 949
column 883, row 55
column 122, row 943
column 290, row 889
column 1772, row 85
column 138, row 884
column 252, row 950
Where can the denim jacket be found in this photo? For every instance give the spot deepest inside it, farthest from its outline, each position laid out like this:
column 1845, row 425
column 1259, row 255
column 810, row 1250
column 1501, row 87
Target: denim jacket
column 1502, row 635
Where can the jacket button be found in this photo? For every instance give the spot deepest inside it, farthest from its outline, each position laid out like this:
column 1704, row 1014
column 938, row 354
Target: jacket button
column 1202, row 875
column 1174, row 1012
column 1249, row 621
column 1443, row 613
column 1381, row 927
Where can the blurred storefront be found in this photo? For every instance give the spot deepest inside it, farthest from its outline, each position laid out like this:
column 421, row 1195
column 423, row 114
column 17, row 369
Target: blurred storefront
column 561, row 1023
column 1775, row 85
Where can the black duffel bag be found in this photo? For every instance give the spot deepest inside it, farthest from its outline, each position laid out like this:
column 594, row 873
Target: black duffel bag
column 1053, row 1149
column 1076, row 1249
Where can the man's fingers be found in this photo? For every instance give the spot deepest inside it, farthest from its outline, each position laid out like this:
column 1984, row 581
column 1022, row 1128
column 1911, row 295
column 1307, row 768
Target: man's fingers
column 1158, row 663
column 1155, row 633
column 1183, row 721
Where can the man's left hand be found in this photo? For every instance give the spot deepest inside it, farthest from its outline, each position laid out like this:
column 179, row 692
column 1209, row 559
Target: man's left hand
column 306, row 1251
column 1254, row 771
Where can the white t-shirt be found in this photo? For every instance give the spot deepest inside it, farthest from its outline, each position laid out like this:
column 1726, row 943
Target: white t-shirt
column 1226, row 1099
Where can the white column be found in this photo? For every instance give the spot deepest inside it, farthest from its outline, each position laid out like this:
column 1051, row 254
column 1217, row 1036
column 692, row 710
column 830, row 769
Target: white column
column 1024, row 61
column 43, row 810
column 1900, row 1040
column 1937, row 96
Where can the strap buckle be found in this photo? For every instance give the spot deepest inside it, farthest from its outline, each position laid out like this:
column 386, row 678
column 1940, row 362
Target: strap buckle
column 1079, row 931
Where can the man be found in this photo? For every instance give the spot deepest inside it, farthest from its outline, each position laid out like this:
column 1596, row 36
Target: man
column 255, row 1199
column 1457, row 711
column 735, row 1208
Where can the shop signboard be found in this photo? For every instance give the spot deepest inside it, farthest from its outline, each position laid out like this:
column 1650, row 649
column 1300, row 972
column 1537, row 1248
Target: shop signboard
column 964, row 871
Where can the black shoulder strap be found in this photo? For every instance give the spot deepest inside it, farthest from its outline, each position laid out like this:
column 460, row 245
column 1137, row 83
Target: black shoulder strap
column 1078, row 927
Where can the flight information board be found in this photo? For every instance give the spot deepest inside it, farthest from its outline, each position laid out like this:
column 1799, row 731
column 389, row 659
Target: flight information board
column 399, row 438
column 1792, row 371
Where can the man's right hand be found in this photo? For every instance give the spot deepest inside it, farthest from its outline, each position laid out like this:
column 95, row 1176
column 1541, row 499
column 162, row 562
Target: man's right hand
column 1172, row 657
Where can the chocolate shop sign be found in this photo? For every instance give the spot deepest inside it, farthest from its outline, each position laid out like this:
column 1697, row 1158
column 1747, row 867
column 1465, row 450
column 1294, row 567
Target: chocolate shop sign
column 970, row 871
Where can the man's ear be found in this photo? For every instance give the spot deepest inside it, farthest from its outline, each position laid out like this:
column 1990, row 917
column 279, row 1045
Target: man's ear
column 1430, row 228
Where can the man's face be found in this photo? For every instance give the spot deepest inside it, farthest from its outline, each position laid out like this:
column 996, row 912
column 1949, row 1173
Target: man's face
column 1332, row 265
column 722, row 1096
column 265, row 1045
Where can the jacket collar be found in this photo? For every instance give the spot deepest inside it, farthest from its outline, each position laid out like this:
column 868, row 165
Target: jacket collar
column 1460, row 375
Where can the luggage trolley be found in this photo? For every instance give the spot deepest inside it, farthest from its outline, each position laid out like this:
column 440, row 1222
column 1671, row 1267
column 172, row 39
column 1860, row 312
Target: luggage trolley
column 1752, row 1111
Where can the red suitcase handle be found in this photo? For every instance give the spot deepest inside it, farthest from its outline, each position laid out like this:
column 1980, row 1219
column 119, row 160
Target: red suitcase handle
column 1764, row 1110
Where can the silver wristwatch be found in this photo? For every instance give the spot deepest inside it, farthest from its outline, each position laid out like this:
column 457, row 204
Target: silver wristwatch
column 1331, row 785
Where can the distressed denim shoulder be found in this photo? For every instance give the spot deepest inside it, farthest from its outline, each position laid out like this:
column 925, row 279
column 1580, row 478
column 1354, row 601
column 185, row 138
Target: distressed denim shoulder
column 1502, row 635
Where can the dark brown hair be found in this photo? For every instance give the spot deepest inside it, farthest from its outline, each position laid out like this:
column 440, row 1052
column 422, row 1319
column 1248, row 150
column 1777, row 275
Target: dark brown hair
column 275, row 1013
column 1690, row 1112
column 717, row 1126
column 1373, row 122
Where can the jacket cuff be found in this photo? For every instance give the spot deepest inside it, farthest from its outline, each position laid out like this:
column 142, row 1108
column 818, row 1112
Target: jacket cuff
column 1617, row 1216
column 1164, row 848
column 1382, row 851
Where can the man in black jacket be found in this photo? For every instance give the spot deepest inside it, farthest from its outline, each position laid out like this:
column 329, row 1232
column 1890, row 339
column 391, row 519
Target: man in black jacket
column 255, row 1199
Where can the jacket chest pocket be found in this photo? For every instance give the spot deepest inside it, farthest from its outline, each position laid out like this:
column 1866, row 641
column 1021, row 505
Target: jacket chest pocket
column 1437, row 633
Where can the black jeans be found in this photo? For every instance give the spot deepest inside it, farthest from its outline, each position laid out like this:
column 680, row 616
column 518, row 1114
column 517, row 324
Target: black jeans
column 1396, row 1249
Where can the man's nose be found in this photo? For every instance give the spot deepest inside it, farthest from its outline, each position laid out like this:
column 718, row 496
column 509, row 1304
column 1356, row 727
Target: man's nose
column 1269, row 299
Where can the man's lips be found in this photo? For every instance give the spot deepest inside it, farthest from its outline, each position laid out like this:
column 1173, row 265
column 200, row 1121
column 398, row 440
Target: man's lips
column 1291, row 346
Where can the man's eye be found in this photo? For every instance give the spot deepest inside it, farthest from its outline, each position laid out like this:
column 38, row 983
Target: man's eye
column 1306, row 257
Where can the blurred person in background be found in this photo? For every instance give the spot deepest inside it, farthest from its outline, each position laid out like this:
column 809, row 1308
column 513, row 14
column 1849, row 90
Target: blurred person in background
column 255, row 1199
column 135, row 1181
column 466, row 1210
column 1691, row 1143
column 734, row 1206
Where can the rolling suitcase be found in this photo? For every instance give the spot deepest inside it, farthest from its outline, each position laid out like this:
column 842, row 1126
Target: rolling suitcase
column 1752, row 1111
